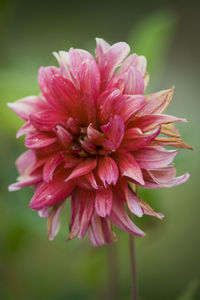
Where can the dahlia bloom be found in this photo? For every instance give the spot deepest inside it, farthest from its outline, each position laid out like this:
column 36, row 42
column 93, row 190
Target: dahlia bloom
column 93, row 136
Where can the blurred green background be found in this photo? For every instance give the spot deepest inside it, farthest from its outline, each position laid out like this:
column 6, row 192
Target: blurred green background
column 31, row 267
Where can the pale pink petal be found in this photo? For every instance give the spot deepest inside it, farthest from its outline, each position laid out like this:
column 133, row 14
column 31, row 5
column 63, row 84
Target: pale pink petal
column 107, row 170
column 82, row 169
column 25, row 180
column 28, row 105
column 138, row 62
column 128, row 166
column 44, row 212
column 26, row 161
column 134, row 82
column 103, row 202
column 53, row 223
column 106, row 102
column 149, row 122
column 152, row 157
column 156, row 103
column 27, row 128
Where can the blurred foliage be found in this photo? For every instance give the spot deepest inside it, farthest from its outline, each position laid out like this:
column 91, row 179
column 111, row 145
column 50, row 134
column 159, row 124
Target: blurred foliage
column 31, row 267
column 190, row 291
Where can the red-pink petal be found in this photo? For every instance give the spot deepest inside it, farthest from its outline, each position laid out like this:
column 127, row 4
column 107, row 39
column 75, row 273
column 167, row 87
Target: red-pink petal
column 47, row 119
column 119, row 217
column 82, row 207
column 83, row 168
column 48, row 194
column 64, row 137
column 114, row 130
column 39, row 140
column 103, row 202
column 107, row 170
column 135, row 139
column 51, row 164
column 129, row 167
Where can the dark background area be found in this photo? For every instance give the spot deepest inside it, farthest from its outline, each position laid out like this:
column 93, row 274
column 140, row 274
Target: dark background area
column 31, row 267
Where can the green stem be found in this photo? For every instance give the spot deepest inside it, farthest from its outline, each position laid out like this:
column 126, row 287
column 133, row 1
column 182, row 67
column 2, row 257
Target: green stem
column 133, row 265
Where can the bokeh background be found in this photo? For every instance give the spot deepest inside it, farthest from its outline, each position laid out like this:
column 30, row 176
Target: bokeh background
column 31, row 267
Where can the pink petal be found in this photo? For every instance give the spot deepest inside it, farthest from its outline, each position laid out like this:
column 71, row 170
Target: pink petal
column 82, row 169
column 64, row 137
column 27, row 128
column 138, row 62
column 152, row 157
column 106, row 103
column 157, row 103
column 109, row 58
column 39, row 140
column 47, row 119
column 26, row 161
column 149, row 122
column 134, row 82
column 127, row 106
column 48, row 88
column 71, row 160
column 26, row 180
column 28, row 105
column 53, row 223
column 128, row 166
column 119, row 217
column 82, row 207
column 100, row 231
column 48, row 194
column 103, row 202
column 107, row 170
column 114, row 130
column 50, row 166
column 44, row 212
column 135, row 139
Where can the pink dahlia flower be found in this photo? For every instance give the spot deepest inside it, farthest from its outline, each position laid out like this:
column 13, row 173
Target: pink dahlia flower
column 93, row 136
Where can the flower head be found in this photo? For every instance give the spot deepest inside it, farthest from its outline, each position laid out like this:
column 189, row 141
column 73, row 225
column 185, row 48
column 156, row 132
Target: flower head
column 93, row 136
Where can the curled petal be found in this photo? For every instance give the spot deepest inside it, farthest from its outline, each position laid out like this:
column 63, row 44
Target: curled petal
column 64, row 137
column 138, row 62
column 50, row 166
column 172, row 142
column 46, row 120
column 170, row 130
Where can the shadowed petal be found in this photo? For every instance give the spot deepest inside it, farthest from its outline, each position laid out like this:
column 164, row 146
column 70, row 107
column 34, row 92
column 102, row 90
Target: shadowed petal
column 103, row 202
